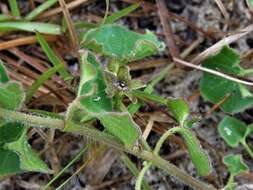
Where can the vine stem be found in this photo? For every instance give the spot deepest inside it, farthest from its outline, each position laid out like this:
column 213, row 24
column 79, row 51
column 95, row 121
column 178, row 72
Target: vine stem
column 37, row 121
column 248, row 149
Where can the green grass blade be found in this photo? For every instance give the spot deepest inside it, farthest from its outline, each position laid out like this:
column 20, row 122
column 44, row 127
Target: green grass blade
column 44, row 28
column 4, row 17
column 107, row 2
column 40, row 9
column 43, row 78
column 133, row 169
column 109, row 19
column 14, row 8
column 77, row 157
column 52, row 56
column 84, row 24
column 124, row 12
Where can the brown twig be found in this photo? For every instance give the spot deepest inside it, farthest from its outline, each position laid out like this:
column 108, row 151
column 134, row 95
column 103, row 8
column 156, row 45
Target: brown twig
column 59, row 9
column 73, row 35
column 226, row 41
column 23, row 41
column 163, row 12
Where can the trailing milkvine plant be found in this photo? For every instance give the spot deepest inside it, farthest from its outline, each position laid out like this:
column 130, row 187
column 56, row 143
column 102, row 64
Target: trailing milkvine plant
column 100, row 95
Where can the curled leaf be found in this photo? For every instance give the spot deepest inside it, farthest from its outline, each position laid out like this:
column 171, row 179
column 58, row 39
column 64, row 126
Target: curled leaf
column 118, row 42
column 197, row 155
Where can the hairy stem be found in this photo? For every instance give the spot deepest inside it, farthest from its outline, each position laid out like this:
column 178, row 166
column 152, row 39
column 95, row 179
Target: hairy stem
column 31, row 120
column 37, row 121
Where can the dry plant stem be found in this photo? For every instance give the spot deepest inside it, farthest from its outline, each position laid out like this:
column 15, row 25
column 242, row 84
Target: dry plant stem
column 55, row 11
column 23, row 41
column 222, row 9
column 163, row 12
column 198, row 67
column 73, row 36
column 226, row 41
column 37, row 121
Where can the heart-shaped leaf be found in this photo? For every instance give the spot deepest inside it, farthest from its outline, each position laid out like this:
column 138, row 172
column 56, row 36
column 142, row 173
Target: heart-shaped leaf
column 118, row 42
column 235, row 164
column 232, row 131
column 215, row 89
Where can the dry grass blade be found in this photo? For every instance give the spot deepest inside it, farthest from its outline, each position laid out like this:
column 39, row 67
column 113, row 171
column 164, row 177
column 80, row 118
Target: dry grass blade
column 24, row 41
column 199, row 67
column 222, row 9
column 59, row 9
column 163, row 12
column 148, row 128
column 226, row 41
column 73, row 36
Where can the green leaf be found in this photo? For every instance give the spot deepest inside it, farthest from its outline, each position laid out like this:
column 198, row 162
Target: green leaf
column 92, row 86
column 235, row 164
column 29, row 161
column 10, row 131
column 44, row 28
column 232, row 130
column 215, row 89
column 9, row 162
column 197, row 155
column 91, row 93
column 55, row 60
column 121, row 126
column 3, row 74
column 118, row 42
column 11, row 95
column 179, row 109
